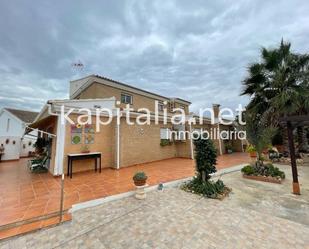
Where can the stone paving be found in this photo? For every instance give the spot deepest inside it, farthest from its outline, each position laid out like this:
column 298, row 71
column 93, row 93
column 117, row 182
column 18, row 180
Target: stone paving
column 255, row 215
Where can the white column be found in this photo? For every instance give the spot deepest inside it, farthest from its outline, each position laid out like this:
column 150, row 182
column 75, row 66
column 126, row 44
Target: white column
column 118, row 145
column 220, row 142
column 60, row 139
column 191, row 141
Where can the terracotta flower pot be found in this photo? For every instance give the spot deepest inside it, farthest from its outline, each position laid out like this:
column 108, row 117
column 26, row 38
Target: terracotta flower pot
column 140, row 182
column 252, row 154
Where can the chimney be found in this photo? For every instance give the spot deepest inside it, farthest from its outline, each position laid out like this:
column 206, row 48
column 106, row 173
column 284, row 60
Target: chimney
column 216, row 109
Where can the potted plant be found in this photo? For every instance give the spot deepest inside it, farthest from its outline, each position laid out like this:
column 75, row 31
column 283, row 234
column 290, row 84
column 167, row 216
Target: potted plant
column 140, row 178
column 251, row 150
column 40, row 144
column 229, row 148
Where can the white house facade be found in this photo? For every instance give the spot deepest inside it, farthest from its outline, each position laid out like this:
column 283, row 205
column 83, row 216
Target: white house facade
column 12, row 128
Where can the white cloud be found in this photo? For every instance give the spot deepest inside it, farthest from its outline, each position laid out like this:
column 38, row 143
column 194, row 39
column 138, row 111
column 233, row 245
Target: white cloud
column 196, row 50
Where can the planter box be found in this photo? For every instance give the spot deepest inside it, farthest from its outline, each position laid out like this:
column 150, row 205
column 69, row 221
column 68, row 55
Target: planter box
column 263, row 178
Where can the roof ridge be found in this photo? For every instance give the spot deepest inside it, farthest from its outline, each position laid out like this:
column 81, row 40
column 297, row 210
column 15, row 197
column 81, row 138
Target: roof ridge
column 137, row 88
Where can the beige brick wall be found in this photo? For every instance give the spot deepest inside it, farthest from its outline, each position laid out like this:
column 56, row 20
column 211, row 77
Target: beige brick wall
column 141, row 144
column 103, row 142
column 138, row 144
column 97, row 90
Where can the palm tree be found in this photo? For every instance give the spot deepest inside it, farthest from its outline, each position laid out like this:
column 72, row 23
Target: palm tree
column 278, row 85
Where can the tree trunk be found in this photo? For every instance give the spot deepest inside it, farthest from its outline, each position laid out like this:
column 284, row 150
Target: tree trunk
column 296, row 189
column 203, row 176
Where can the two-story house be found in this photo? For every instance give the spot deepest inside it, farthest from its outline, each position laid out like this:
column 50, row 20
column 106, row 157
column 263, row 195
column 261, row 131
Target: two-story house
column 121, row 143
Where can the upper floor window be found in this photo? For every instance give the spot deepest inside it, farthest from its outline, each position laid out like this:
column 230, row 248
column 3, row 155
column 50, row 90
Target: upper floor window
column 182, row 107
column 8, row 125
column 160, row 106
column 126, row 98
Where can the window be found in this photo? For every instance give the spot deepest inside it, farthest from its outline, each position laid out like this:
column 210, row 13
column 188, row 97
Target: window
column 165, row 133
column 182, row 107
column 160, row 107
column 181, row 135
column 180, row 132
column 126, row 99
column 8, row 125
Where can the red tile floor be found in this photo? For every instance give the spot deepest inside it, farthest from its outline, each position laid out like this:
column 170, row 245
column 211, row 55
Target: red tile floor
column 24, row 195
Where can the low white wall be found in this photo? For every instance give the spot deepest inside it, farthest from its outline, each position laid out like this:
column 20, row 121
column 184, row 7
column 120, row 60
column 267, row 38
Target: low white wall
column 11, row 151
column 26, row 146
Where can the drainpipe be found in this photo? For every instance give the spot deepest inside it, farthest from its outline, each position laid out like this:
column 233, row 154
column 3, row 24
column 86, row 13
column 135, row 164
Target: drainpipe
column 118, row 145
column 191, row 142
column 216, row 112
column 220, row 142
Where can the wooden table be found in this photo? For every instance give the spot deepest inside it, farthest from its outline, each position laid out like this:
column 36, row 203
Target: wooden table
column 82, row 156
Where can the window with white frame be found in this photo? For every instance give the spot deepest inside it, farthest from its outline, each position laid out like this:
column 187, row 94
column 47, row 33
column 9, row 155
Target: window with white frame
column 160, row 106
column 126, row 99
column 165, row 133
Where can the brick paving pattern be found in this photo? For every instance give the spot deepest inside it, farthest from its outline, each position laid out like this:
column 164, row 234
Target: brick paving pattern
column 24, row 195
column 173, row 218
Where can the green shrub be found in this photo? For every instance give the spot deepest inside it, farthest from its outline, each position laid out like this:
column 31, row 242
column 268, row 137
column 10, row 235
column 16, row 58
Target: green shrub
column 248, row 170
column 165, row 142
column 251, row 148
column 264, row 170
column 140, row 176
column 274, row 171
column 205, row 158
column 210, row 189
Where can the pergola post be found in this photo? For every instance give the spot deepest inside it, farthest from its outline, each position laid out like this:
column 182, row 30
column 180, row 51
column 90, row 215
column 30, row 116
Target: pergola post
column 296, row 189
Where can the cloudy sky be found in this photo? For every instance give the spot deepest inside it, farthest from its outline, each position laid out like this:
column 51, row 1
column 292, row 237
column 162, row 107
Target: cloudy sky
column 197, row 50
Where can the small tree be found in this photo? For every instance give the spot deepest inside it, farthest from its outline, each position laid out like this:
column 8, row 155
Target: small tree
column 259, row 134
column 205, row 158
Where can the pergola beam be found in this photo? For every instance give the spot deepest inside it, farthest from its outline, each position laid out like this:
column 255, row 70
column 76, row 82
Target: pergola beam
column 296, row 189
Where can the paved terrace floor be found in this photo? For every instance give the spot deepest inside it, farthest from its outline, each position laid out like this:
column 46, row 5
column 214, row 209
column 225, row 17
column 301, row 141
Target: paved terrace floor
column 24, row 195
column 255, row 215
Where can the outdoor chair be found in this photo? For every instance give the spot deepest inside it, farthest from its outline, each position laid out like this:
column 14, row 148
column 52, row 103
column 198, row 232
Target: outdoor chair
column 35, row 164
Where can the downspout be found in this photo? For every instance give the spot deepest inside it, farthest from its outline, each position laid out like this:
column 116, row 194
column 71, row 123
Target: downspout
column 191, row 142
column 219, row 138
column 118, row 145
